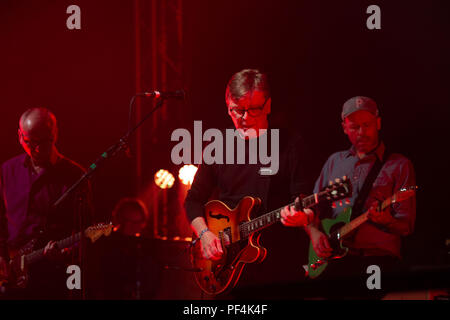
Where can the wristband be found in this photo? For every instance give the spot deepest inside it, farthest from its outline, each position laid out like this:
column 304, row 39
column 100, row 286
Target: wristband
column 202, row 233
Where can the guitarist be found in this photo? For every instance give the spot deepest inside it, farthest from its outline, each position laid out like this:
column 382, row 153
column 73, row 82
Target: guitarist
column 249, row 105
column 30, row 183
column 378, row 241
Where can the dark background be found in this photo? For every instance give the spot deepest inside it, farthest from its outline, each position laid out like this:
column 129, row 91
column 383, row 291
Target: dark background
column 317, row 54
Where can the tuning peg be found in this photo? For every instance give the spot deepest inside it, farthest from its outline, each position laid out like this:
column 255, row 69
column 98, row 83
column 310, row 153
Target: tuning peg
column 333, row 205
column 347, row 201
column 340, row 203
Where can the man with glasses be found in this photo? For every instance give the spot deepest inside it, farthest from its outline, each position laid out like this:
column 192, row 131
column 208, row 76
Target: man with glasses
column 378, row 241
column 30, row 184
column 249, row 104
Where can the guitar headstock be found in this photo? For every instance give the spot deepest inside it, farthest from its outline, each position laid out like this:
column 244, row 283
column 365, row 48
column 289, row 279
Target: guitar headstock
column 338, row 189
column 405, row 193
column 98, row 230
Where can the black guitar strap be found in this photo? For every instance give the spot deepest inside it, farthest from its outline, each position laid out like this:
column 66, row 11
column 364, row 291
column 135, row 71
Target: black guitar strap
column 358, row 206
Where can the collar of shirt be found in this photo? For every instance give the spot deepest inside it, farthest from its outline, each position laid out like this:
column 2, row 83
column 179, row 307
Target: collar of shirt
column 27, row 164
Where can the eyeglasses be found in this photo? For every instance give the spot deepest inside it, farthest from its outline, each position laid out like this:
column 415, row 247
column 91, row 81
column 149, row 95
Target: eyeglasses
column 252, row 112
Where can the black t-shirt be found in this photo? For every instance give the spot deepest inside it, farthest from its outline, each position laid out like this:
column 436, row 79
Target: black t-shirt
column 229, row 183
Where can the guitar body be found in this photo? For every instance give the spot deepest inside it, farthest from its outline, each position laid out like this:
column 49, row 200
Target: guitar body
column 317, row 265
column 218, row 276
column 18, row 266
column 340, row 227
column 239, row 233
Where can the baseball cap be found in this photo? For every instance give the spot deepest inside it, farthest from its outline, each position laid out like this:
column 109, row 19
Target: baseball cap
column 359, row 103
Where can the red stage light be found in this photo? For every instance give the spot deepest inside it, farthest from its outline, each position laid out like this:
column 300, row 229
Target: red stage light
column 164, row 179
column 187, row 174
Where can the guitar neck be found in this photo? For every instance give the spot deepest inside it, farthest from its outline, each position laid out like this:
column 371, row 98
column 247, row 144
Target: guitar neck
column 355, row 223
column 268, row 219
column 65, row 243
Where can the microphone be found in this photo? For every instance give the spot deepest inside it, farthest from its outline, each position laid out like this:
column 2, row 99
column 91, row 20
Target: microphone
column 178, row 94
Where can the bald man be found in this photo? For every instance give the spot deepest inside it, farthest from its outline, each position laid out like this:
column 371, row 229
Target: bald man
column 30, row 184
column 37, row 135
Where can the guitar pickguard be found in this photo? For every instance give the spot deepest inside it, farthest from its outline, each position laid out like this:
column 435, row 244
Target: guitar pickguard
column 317, row 265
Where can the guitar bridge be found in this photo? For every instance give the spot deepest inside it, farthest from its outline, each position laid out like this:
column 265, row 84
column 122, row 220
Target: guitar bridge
column 227, row 246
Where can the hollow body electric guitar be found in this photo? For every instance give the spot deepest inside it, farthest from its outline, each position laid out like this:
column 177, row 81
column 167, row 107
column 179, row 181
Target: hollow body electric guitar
column 27, row 255
column 239, row 236
column 338, row 228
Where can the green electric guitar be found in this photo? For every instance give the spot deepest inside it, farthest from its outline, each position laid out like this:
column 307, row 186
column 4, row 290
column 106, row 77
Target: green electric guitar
column 340, row 227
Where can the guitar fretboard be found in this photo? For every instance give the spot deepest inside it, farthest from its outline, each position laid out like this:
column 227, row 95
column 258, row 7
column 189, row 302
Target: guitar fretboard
column 257, row 224
column 355, row 223
column 65, row 243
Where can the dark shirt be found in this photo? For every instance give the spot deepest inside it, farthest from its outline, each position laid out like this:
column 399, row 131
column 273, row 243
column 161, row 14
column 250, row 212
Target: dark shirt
column 232, row 182
column 229, row 183
column 396, row 173
column 26, row 200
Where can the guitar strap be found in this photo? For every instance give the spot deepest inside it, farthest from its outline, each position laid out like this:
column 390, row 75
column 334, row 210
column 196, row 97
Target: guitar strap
column 358, row 206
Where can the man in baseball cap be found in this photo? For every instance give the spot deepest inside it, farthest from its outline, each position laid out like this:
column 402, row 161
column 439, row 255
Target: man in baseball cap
column 359, row 103
column 378, row 241
column 361, row 123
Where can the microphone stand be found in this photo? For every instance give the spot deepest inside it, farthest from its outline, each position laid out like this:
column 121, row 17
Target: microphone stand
column 120, row 145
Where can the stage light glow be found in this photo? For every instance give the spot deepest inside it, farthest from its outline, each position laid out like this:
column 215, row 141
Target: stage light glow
column 187, row 174
column 164, row 179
